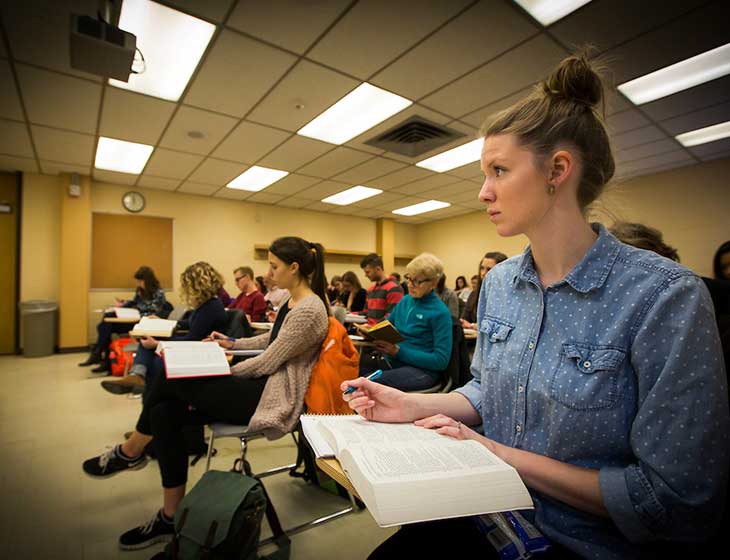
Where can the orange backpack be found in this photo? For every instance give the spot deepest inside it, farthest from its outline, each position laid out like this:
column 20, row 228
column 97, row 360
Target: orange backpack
column 120, row 360
column 338, row 361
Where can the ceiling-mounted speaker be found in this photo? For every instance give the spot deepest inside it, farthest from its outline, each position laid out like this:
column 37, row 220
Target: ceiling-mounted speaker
column 74, row 187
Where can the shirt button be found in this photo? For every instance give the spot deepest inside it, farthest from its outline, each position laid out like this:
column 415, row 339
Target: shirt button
column 587, row 364
column 518, row 428
column 520, row 389
column 531, row 345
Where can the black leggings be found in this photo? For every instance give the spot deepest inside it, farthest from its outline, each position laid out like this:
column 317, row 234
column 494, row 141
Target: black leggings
column 104, row 332
column 166, row 410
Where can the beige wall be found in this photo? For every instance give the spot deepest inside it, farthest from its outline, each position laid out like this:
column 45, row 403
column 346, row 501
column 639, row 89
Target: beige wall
column 691, row 206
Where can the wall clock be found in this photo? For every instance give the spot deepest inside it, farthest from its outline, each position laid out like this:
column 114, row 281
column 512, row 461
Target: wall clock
column 133, row 201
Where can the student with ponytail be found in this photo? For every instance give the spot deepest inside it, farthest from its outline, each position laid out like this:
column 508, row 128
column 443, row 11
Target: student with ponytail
column 265, row 392
column 598, row 373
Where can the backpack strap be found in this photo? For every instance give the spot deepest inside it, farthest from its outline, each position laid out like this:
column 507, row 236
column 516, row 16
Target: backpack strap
column 279, row 537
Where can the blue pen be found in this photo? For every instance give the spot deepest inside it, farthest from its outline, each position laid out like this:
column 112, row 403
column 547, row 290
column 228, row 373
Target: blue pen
column 229, row 338
column 372, row 377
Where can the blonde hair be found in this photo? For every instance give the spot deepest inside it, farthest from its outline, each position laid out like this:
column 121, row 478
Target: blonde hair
column 198, row 283
column 426, row 264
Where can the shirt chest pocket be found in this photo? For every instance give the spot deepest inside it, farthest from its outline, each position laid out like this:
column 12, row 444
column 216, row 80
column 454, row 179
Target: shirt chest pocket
column 588, row 376
column 496, row 334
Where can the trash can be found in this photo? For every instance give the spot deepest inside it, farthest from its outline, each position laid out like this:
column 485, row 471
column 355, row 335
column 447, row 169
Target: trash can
column 40, row 319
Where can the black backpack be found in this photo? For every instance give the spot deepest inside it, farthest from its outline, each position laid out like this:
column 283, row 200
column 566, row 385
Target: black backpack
column 220, row 519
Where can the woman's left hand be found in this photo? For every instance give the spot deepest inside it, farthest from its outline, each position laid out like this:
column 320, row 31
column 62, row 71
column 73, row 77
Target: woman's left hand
column 387, row 347
column 449, row 427
column 148, row 342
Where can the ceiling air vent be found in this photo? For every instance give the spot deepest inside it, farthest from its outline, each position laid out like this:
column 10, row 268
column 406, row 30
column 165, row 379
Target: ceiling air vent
column 414, row 136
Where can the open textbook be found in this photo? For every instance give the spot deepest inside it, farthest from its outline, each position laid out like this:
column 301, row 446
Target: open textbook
column 131, row 313
column 406, row 474
column 384, row 330
column 153, row 327
column 193, row 359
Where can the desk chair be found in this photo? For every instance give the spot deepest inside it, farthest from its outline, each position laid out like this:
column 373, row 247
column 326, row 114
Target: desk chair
column 452, row 373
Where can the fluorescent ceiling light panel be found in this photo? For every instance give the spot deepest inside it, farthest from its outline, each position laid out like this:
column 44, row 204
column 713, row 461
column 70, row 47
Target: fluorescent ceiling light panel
column 704, row 135
column 683, row 75
column 550, row 11
column 421, row 208
column 170, row 41
column 456, row 157
column 256, row 178
column 351, row 195
column 358, row 111
column 122, row 156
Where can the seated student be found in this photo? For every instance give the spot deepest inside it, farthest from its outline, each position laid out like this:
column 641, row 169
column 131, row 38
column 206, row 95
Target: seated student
column 448, row 296
column 265, row 392
column 597, row 374
column 383, row 295
column 275, row 295
column 224, row 296
column 721, row 262
column 488, row 262
column 395, row 276
column 418, row 361
column 334, row 289
column 200, row 285
column 250, row 300
column 149, row 299
column 461, row 289
column 260, row 286
column 354, row 295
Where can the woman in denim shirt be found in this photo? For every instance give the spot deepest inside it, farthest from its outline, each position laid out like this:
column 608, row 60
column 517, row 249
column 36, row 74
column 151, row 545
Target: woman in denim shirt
column 598, row 374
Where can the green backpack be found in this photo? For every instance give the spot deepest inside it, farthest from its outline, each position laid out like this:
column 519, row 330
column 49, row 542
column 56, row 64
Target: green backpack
column 220, row 519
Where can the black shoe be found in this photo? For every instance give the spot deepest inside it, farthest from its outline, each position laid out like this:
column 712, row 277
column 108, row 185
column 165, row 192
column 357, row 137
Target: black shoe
column 110, row 463
column 93, row 359
column 104, row 366
column 156, row 530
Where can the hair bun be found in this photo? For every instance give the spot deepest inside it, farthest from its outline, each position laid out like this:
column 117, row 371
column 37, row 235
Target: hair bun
column 575, row 80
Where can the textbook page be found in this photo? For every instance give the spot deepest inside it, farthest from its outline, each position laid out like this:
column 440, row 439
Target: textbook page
column 153, row 327
column 193, row 359
column 127, row 313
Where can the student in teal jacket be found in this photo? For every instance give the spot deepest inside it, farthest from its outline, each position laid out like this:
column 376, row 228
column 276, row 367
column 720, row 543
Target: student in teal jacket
column 418, row 361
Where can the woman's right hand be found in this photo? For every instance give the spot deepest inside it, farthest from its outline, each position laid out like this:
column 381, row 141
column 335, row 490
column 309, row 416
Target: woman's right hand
column 221, row 339
column 374, row 401
column 466, row 324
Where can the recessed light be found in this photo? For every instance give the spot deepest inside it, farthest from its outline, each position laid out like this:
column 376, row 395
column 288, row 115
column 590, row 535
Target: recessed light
column 704, row 135
column 121, row 156
column 683, row 75
column 455, row 157
column 171, row 43
column 256, row 178
column 351, row 195
column 550, row 11
column 358, row 111
column 421, row 208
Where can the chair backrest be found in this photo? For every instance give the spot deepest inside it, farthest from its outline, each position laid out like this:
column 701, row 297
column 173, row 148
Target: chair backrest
column 338, row 361
column 237, row 326
column 339, row 313
column 167, row 308
column 457, row 372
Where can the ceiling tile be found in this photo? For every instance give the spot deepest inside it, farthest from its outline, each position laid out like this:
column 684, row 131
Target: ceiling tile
column 711, row 148
column 212, row 10
column 467, row 197
column 171, row 165
column 322, row 190
column 232, row 194
column 9, row 102
column 424, row 185
column 401, row 203
column 213, row 126
column 400, row 177
column 12, row 163
column 456, row 48
column 159, row 183
column 291, row 184
column 478, row 117
column 334, row 162
column 369, row 170
column 192, row 187
column 319, row 207
column 249, row 142
column 653, row 170
column 646, row 150
column 291, row 202
column 693, row 99
column 505, row 75
column 38, row 31
column 636, row 137
column 606, row 24
column 59, row 145
column 114, row 177
column 718, row 155
column 469, row 171
column 265, row 198
column 291, row 24
column 625, row 120
column 14, row 139
column 217, row 172
column 372, row 34
column 698, row 119
column 294, row 153
column 615, row 101
column 454, row 189
column 379, row 200
column 54, row 168
column 677, row 156
column 61, row 101
column 237, row 72
column 134, row 117
column 308, row 90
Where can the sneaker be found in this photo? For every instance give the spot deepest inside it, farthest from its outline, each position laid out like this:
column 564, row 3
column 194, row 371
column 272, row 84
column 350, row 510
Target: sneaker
column 126, row 384
column 110, row 463
column 156, row 530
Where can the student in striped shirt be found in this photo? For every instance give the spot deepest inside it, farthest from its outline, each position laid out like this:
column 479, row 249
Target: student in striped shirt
column 383, row 295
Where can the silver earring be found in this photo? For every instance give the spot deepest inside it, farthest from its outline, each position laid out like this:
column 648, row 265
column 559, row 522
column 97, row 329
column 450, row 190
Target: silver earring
column 551, row 189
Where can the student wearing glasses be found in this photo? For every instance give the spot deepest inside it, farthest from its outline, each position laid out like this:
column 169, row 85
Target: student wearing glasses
column 250, row 300
column 418, row 361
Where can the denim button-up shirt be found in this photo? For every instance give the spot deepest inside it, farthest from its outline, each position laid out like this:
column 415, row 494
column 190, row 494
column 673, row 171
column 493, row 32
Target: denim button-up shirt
column 617, row 368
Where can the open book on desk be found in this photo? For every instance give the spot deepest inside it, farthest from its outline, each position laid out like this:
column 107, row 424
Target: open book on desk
column 153, row 327
column 407, row 474
column 384, row 330
column 131, row 313
column 193, row 359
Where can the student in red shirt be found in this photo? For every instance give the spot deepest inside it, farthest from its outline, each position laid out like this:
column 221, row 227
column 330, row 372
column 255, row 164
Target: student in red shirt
column 250, row 300
column 384, row 294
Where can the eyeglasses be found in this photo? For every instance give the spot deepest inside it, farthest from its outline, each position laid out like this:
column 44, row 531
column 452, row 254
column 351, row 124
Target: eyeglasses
column 238, row 278
column 415, row 282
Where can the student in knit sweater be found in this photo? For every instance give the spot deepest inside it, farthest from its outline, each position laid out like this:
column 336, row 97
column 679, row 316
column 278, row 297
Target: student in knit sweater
column 265, row 392
column 419, row 360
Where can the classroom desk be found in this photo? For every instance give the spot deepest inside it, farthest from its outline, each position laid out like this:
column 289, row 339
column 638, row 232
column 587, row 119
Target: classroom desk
column 120, row 320
column 261, row 326
column 332, row 468
column 358, row 319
